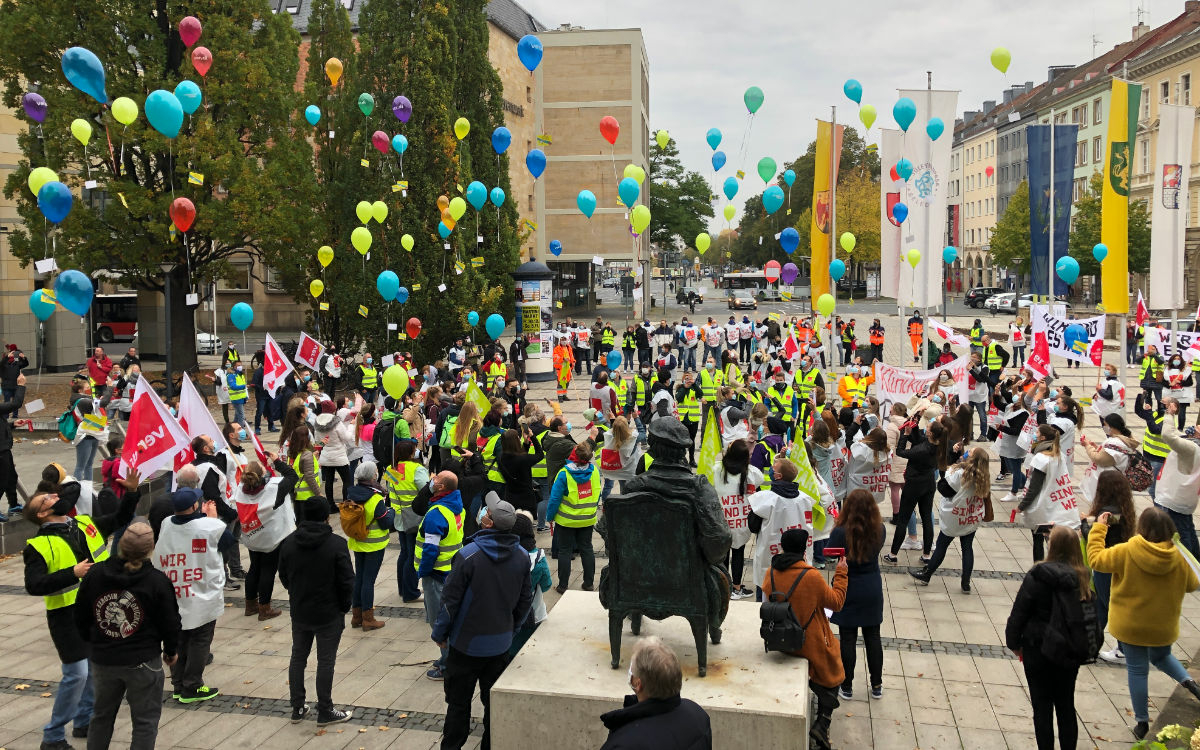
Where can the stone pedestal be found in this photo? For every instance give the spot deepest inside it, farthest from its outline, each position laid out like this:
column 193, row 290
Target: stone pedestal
column 554, row 692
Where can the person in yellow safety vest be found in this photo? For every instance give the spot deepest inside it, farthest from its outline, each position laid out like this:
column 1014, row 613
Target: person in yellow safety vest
column 637, row 404
column 621, row 386
column 1154, row 447
column 780, row 397
column 305, row 463
column 608, row 339
column 379, row 519
column 852, row 387
column 495, row 369
column 368, row 379
column 488, row 445
column 765, row 450
column 849, row 342
column 710, row 380
column 574, row 501
column 55, row 559
column 439, row 537
column 976, row 335
column 733, row 374
column 238, row 393
column 1150, row 377
column 816, row 347
column 403, row 481
column 807, row 379
column 994, row 359
column 687, row 398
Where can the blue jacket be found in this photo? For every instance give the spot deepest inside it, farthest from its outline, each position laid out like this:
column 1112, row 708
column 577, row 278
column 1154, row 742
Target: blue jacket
column 435, row 526
column 559, row 490
column 487, row 595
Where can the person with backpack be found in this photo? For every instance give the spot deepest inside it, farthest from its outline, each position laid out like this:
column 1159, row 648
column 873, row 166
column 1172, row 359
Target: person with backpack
column 1149, row 579
column 1118, row 451
column 368, row 520
column 1052, row 633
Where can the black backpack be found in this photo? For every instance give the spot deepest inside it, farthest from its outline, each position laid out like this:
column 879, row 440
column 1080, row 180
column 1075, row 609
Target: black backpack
column 780, row 630
column 383, row 442
column 1073, row 636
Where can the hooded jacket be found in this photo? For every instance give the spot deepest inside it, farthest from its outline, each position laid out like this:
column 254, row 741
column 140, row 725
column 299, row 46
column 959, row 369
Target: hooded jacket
column 337, row 436
column 582, row 474
column 1030, row 615
column 434, row 527
column 128, row 618
column 314, row 566
column 487, row 595
column 657, row 723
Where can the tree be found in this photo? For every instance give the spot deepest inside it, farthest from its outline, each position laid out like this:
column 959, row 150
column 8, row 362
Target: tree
column 1086, row 232
column 679, row 200
column 1010, row 240
column 254, row 203
column 858, row 214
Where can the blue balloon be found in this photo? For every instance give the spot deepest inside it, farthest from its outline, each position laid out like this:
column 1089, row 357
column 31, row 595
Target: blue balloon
column 935, row 127
column 529, row 49
column 473, row 318
column 772, row 199
column 730, row 187
column 189, row 96
column 950, row 254
column 713, row 137
column 1076, row 338
column 718, row 160
column 853, row 91
column 556, row 247
column 501, row 139
column 41, row 309
column 164, row 112
column 900, row 212
column 312, row 113
column 477, row 195
column 789, row 177
column 789, row 240
column 497, row 197
column 1100, row 252
column 535, row 162
column 494, row 325
column 1067, row 269
column 629, row 190
column 904, row 112
column 83, row 69
column 74, row 291
column 614, row 360
column 399, row 143
column 241, row 315
column 586, row 200
column 904, row 168
column 402, row 295
column 443, row 230
column 54, row 200
column 837, row 269
column 388, row 283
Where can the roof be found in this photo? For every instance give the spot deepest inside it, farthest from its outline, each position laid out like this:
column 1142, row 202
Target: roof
column 507, row 15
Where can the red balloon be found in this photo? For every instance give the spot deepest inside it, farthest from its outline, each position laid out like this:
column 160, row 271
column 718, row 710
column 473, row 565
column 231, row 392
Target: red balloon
column 990, row 171
column 610, row 128
column 771, row 271
column 894, row 174
column 189, row 30
column 381, row 142
column 413, row 328
column 201, row 60
column 183, row 213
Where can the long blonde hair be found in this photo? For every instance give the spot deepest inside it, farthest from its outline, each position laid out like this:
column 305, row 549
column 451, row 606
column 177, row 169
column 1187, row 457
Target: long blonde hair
column 1049, row 433
column 468, row 418
column 621, row 431
column 976, row 473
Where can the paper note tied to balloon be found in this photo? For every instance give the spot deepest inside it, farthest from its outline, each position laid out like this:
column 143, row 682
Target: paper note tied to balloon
column 46, row 265
column 597, row 260
column 192, row 300
column 33, row 407
column 393, row 326
column 441, row 287
column 362, row 310
column 324, row 306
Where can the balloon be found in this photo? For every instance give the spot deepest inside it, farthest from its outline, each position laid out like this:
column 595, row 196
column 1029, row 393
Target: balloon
column 935, row 127
column 363, row 211
column 904, row 112
column 312, row 113
column 477, row 195
column 586, row 200
column 458, row 207
column 990, row 171
column 825, row 304
column 333, row 69
column 395, row 381
column 949, row 255
column 164, row 112
column 407, row 242
column 39, row 306
column 771, row 270
column 529, row 50
column 556, row 247
column 1075, row 338
column 788, row 273
column 703, row 241
column 462, row 126
column 730, row 187
column 315, row 287
column 325, row 255
column 837, row 269
column 662, row 137
column 125, row 110
column 402, row 108
column 380, row 141
column 718, row 160
column 443, row 203
column 900, row 212
column 1067, row 269
column 448, row 219
column 789, row 177
column 366, row 103
column 387, row 284
column 379, row 211
column 399, row 143
column 402, row 295
column 183, row 213
column 413, row 327
column 361, row 239
column 904, row 168
column 443, row 230
column 472, row 318
column 54, row 199
column 610, row 128
column 74, row 291
column 713, row 137
column 847, row 241
column 35, row 106
column 1001, row 58
column 772, row 199
column 766, row 168
column 40, row 176
column 241, row 315
column 189, row 96
column 639, row 219
column 729, row 212
column 753, row 98
column 494, row 325
column 201, row 60
column 853, row 91
column 189, row 30
column 614, row 360
column 894, row 174
column 629, row 191
column 789, row 240
column 85, row 72
column 82, row 130
column 1100, row 252
column 867, row 115
column 535, row 162
column 501, row 139
column 497, row 196
column 914, row 257
column 636, row 172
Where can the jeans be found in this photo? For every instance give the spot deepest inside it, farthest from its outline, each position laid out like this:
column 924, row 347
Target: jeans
column 462, row 673
column 406, row 574
column 1186, row 526
column 687, row 358
column 239, row 413
column 1102, row 582
column 543, row 503
column 327, row 474
column 965, row 542
column 583, row 357
column 895, row 488
column 260, row 579
column 262, row 407
column 1156, row 465
column 981, row 409
column 908, row 502
column 714, row 352
column 85, row 456
column 643, row 357
column 744, row 347
column 72, row 701
column 1052, row 693
column 432, row 588
column 141, row 685
column 187, row 674
column 608, row 486
column 1019, row 356
column 1013, row 467
column 849, row 637
column 570, row 540
column 8, row 478
column 1137, row 666
column 327, row 637
column 232, row 557
column 366, row 570
column 627, row 360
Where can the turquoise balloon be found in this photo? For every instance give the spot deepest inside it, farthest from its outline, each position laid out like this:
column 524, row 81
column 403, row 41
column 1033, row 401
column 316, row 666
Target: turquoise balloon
column 497, row 197
column 730, row 187
column 443, row 230
column 629, row 190
column 85, row 72
column 387, row 284
column 586, row 200
column 473, row 318
column 772, row 199
column 950, row 254
column 1100, row 252
column 853, row 91
column 494, row 325
column 74, row 291
column 837, row 269
column 904, row 168
column 1067, row 269
column 904, row 112
column 241, row 315
column 312, row 113
column 399, row 143
column 164, row 112
column 935, row 127
column 713, row 137
column 402, row 295
column 41, row 309
column 718, row 160
column 789, row 177
column 477, row 195
column 189, row 96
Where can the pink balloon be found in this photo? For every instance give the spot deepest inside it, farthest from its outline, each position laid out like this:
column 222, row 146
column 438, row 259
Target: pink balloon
column 381, row 141
column 189, row 30
column 201, row 60
column 771, row 271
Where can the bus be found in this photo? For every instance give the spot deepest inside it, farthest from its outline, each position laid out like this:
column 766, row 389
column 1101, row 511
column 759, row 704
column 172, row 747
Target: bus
column 114, row 317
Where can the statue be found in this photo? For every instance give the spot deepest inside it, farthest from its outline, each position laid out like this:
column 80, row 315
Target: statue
column 667, row 540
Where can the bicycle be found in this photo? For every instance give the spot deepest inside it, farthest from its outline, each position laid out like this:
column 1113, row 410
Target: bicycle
column 160, row 384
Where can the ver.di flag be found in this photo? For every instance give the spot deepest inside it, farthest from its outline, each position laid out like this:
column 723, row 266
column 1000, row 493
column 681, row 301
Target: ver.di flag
column 309, row 351
column 195, row 419
column 275, row 366
column 890, row 249
column 1172, row 166
column 1114, row 195
column 153, row 437
column 825, row 168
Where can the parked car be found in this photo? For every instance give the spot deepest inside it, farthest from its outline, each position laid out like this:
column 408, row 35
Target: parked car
column 742, row 299
column 978, row 296
column 612, row 282
column 682, row 295
column 207, row 343
column 1000, row 302
column 1027, row 299
column 848, row 285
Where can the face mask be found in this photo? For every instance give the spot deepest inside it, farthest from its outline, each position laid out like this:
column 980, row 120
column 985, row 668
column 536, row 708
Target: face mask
column 307, row 378
column 480, row 515
column 62, row 506
column 239, row 369
column 1053, row 393
column 1013, row 398
column 1054, row 408
column 568, row 426
column 936, row 399
column 174, row 412
column 369, row 360
column 709, row 366
column 1110, row 374
column 242, row 435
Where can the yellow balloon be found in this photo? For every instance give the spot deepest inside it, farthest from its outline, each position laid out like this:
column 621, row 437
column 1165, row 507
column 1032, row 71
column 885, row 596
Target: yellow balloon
column 333, row 69
column 729, row 212
column 315, row 287
column 914, row 257
column 825, row 304
column 363, row 211
column 325, row 255
column 407, row 242
column 702, row 242
column 443, row 203
column 361, row 239
column 462, row 126
column 663, row 138
column 82, row 130
column 636, row 172
column 848, row 242
column 867, row 114
column 639, row 219
column 39, row 177
column 458, row 207
column 379, row 211
column 125, row 110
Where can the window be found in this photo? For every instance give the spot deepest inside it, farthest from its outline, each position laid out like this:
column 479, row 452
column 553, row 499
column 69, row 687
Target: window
column 293, row 8
column 1185, row 89
column 1081, row 154
column 348, row 4
column 529, row 95
column 1145, row 103
column 1144, row 148
column 1164, row 92
column 1016, row 139
column 1060, row 118
column 275, row 281
column 1079, row 115
column 532, row 208
column 236, row 280
column 1017, row 171
column 1079, row 187
column 1098, row 149
column 1097, row 111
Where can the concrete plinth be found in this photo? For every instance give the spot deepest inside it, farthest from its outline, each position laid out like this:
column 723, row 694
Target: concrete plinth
column 554, row 692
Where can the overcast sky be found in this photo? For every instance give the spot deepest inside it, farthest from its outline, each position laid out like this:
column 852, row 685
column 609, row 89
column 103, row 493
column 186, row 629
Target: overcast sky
column 703, row 54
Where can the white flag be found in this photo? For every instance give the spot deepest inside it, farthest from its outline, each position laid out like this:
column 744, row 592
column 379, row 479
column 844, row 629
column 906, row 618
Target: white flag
column 195, row 419
column 947, row 333
column 275, row 366
column 1172, row 166
column 890, row 193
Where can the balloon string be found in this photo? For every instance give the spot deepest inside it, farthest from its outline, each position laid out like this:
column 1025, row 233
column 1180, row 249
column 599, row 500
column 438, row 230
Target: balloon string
column 187, row 255
column 171, row 170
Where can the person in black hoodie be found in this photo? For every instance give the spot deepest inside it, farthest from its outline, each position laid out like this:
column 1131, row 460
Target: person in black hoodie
column 8, row 470
column 126, row 611
column 655, row 716
column 926, row 452
column 314, row 566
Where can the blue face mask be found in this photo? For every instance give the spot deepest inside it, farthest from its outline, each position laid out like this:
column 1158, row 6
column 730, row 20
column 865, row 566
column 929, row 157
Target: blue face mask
column 480, row 515
column 242, row 435
column 307, row 378
column 1054, row 408
column 1014, row 398
column 1053, row 393
column 174, row 412
column 568, row 426
column 369, row 360
column 936, row 399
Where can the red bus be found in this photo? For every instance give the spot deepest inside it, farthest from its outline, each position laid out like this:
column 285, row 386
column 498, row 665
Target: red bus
column 114, row 317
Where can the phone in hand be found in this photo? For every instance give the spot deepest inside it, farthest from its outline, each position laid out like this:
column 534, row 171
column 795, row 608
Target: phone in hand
column 834, row 552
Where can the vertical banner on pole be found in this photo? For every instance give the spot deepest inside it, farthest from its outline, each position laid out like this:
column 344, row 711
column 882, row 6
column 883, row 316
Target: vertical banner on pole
column 889, row 231
column 828, row 137
column 1040, row 214
column 1114, row 196
column 1172, row 158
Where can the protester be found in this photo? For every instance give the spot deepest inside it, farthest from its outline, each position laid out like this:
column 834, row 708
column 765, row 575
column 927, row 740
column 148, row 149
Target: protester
column 574, row 500
column 264, row 499
column 927, row 452
column 1115, row 452
column 1114, row 496
column 369, row 500
column 656, row 716
column 13, row 400
column 303, row 460
column 860, row 533
column 966, row 498
column 1048, row 498
column 439, row 537
column 776, row 509
column 1178, row 486
column 11, row 365
column 619, row 455
column 404, row 481
column 520, row 455
column 735, row 481
column 334, row 432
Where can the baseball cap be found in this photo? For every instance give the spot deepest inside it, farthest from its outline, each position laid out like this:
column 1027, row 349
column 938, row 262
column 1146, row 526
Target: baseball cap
column 185, row 498
column 502, row 512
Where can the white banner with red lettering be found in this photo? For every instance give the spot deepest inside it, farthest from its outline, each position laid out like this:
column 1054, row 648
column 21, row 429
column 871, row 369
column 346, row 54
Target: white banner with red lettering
column 309, row 352
column 1070, row 344
column 897, row 385
column 275, row 366
column 947, row 333
column 153, row 437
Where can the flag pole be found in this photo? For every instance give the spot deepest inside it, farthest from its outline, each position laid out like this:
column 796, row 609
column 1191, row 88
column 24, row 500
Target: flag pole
column 1050, row 255
column 923, row 359
column 832, row 223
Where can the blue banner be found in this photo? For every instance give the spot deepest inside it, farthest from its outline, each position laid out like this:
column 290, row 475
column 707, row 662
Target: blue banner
column 1038, row 140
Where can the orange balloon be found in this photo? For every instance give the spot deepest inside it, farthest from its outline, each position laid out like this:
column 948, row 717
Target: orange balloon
column 448, row 220
column 333, row 69
column 443, row 203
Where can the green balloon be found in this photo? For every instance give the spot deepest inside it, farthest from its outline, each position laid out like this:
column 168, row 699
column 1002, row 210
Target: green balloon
column 753, row 99
column 366, row 103
column 766, row 168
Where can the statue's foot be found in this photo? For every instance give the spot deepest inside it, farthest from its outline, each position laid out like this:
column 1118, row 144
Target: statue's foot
column 715, row 635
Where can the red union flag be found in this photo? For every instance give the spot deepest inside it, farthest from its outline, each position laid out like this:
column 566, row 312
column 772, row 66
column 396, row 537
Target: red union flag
column 309, row 352
column 261, row 453
column 275, row 366
column 153, row 436
column 1038, row 361
column 194, row 419
column 1143, row 313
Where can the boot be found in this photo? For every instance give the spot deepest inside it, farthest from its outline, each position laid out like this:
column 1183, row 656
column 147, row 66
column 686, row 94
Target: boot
column 251, row 607
column 356, row 617
column 818, row 736
column 1192, row 687
column 266, row 612
column 369, row 622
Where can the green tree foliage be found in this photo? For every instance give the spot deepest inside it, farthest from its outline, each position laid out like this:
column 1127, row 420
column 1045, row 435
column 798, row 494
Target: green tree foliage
column 679, row 200
column 1085, row 233
column 255, row 200
column 1010, row 240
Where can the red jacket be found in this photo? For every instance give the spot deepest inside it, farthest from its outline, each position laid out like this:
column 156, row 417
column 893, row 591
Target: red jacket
column 99, row 370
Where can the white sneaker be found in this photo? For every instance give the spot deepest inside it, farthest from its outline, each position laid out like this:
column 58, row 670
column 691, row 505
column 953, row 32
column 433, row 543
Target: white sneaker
column 1009, row 498
column 910, row 543
column 1113, row 657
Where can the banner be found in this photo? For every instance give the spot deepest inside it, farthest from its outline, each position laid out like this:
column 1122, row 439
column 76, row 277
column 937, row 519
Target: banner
column 829, row 155
column 309, row 352
column 947, row 333
column 195, row 419
column 275, row 366
column 1114, row 195
column 153, row 437
column 1172, row 164
column 1040, row 217
column 897, row 385
column 889, row 231
column 1071, row 344
column 1187, row 341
